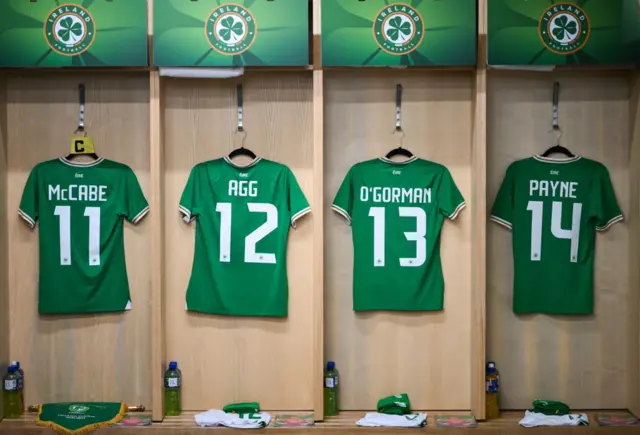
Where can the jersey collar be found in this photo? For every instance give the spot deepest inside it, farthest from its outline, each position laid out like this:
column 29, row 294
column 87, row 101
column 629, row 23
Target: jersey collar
column 557, row 159
column 248, row 165
column 81, row 164
column 403, row 162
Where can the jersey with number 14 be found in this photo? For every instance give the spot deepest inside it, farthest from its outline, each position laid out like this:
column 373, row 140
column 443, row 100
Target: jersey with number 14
column 243, row 215
column 80, row 208
column 396, row 210
column 554, row 206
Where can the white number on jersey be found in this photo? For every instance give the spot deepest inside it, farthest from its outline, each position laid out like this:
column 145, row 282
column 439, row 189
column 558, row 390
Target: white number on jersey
column 64, row 214
column 250, row 242
column 536, row 208
column 419, row 236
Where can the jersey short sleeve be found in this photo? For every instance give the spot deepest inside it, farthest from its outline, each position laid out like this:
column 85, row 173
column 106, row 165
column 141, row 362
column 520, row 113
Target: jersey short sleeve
column 134, row 205
column 298, row 205
column 343, row 202
column 450, row 200
column 189, row 202
column 605, row 207
column 29, row 204
column 502, row 212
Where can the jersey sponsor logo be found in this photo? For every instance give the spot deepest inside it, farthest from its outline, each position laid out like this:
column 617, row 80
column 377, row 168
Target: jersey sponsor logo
column 400, row 195
column 243, row 175
column 243, row 188
column 79, row 175
column 395, row 172
column 69, row 30
column 231, row 29
column 398, row 29
column 564, row 28
column 561, row 189
column 77, row 192
column 554, row 172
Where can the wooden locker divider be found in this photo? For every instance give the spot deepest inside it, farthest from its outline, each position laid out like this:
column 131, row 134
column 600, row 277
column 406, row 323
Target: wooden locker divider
column 4, row 249
column 83, row 357
column 319, row 204
column 479, row 231
column 580, row 360
column 634, row 223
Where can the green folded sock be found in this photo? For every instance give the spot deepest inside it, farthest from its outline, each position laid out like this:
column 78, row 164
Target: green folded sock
column 397, row 405
column 550, row 407
column 242, row 408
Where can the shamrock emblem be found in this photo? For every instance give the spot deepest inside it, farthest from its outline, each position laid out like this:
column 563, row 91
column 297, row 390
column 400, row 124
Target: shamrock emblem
column 397, row 28
column 228, row 27
column 564, row 28
column 68, row 29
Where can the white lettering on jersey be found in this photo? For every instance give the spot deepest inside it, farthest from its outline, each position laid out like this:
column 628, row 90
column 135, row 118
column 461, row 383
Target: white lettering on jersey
column 395, row 195
column 78, row 192
column 555, row 189
column 243, row 188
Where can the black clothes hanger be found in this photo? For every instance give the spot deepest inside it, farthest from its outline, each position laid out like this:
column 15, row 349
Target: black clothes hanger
column 557, row 148
column 399, row 151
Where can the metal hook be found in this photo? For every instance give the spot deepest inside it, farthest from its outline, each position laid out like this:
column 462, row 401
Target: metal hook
column 558, row 135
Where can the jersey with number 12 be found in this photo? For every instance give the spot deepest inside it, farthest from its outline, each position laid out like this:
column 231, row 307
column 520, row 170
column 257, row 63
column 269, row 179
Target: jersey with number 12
column 396, row 210
column 243, row 215
column 80, row 208
column 554, row 206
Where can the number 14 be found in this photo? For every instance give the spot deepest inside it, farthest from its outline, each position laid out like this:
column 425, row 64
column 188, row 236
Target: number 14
column 536, row 209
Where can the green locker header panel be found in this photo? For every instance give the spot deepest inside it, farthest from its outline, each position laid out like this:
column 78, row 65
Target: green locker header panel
column 231, row 34
column 60, row 33
column 409, row 33
column 580, row 32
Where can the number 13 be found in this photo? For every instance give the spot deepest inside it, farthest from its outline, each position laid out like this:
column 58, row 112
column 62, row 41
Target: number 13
column 378, row 215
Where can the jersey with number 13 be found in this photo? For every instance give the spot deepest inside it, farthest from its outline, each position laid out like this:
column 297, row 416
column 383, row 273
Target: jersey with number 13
column 554, row 206
column 243, row 215
column 396, row 210
column 80, row 208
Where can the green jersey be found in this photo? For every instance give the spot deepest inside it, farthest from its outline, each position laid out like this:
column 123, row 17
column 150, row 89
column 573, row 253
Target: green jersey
column 80, row 209
column 396, row 210
column 243, row 215
column 554, row 207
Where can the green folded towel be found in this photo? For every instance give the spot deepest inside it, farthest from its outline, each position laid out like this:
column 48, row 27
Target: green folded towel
column 550, row 407
column 396, row 405
column 242, row 408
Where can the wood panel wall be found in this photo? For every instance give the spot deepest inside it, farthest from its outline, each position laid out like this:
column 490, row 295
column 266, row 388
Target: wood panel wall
column 634, row 245
column 583, row 361
column 226, row 359
column 92, row 357
column 427, row 355
column 4, row 252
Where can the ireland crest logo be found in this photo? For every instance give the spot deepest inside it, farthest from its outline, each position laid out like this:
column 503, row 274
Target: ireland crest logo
column 231, row 29
column 69, row 30
column 564, row 28
column 398, row 29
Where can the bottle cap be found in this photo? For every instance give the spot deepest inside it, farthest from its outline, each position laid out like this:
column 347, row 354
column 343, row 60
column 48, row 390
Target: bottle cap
column 12, row 369
column 331, row 365
column 173, row 365
column 491, row 367
column 16, row 363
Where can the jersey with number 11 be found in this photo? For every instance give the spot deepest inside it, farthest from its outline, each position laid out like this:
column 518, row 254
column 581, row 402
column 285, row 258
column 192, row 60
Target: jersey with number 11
column 243, row 215
column 396, row 210
column 554, row 206
column 80, row 208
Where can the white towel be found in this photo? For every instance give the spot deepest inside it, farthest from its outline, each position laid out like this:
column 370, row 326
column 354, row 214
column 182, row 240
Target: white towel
column 216, row 417
column 535, row 419
column 376, row 419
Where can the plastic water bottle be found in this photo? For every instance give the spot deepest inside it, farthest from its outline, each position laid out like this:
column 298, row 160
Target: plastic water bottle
column 172, row 384
column 331, row 380
column 492, row 388
column 11, row 394
column 20, row 381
